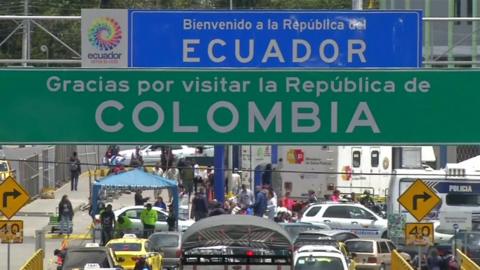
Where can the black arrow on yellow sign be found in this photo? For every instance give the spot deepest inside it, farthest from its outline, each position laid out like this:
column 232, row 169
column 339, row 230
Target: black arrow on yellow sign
column 15, row 193
column 425, row 196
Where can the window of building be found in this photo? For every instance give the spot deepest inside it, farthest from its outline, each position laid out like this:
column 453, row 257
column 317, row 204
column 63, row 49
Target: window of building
column 374, row 158
column 356, row 158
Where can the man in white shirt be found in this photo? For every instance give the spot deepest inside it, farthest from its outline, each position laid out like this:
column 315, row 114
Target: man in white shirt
column 245, row 197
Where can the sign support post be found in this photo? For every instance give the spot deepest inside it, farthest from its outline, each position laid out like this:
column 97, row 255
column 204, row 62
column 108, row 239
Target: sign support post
column 419, row 267
column 8, row 255
column 357, row 4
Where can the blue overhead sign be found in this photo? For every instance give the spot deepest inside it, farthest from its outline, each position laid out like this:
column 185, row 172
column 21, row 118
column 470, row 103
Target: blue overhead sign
column 275, row 39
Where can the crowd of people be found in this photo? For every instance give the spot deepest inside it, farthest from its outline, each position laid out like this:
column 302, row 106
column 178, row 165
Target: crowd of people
column 196, row 187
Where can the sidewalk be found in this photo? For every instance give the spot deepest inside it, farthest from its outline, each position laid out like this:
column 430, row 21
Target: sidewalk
column 35, row 215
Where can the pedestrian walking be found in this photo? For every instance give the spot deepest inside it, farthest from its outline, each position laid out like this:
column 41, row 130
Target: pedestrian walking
column 75, row 170
column 272, row 204
column 197, row 177
column 199, row 206
column 312, row 198
column 434, row 261
column 171, row 174
column 160, row 203
column 139, row 200
column 65, row 215
column 186, row 175
column 171, row 218
column 245, row 197
column 335, row 196
column 367, row 199
column 107, row 221
column 148, row 217
column 260, row 205
column 158, row 171
column 267, row 175
column 136, row 160
column 288, row 202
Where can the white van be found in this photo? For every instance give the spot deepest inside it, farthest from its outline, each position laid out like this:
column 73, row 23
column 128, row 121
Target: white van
column 458, row 188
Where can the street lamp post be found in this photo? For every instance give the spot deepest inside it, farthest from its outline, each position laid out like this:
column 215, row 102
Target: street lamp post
column 357, row 4
column 45, row 50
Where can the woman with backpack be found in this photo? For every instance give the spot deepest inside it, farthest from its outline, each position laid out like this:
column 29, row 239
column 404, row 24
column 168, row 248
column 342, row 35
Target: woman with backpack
column 75, row 170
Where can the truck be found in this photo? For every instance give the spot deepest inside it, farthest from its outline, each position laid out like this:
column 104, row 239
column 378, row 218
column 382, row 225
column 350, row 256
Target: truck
column 236, row 242
column 323, row 168
column 6, row 170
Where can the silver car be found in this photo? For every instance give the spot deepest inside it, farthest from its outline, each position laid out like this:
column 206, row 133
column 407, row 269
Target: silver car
column 169, row 244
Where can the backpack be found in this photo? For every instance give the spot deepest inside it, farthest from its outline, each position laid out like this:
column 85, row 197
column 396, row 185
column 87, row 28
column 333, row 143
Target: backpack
column 74, row 166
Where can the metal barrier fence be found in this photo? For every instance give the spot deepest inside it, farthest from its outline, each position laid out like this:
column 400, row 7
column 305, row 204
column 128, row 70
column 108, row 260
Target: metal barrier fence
column 465, row 262
column 399, row 263
column 47, row 167
column 35, row 262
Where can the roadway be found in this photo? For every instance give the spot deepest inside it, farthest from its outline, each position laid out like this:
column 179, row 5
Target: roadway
column 36, row 214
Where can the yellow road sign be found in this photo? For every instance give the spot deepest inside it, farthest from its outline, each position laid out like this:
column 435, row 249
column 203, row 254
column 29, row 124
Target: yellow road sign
column 419, row 234
column 11, row 231
column 398, row 262
column 12, row 197
column 419, row 199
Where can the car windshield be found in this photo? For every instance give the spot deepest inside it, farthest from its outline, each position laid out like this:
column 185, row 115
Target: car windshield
column 360, row 246
column 125, row 246
column 164, row 240
column 318, row 262
column 79, row 258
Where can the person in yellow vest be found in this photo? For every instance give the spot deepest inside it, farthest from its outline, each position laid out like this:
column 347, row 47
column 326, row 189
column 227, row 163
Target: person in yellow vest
column 148, row 218
column 124, row 225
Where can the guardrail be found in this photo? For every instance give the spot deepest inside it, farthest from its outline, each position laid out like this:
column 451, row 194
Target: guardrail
column 465, row 262
column 399, row 263
column 35, row 262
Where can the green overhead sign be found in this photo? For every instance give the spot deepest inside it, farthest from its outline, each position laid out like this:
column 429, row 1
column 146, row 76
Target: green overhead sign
column 239, row 106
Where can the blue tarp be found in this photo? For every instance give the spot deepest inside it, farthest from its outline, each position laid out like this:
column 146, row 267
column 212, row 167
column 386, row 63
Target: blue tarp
column 134, row 180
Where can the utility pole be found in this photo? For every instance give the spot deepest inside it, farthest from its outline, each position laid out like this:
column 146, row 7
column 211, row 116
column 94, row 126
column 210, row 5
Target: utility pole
column 26, row 35
column 357, row 4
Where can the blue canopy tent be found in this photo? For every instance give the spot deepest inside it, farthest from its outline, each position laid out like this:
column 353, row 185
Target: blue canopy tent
column 134, row 180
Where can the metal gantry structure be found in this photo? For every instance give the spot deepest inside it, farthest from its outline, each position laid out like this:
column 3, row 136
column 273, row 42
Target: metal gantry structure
column 443, row 46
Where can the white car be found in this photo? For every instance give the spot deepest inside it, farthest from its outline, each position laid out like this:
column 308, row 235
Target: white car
column 347, row 216
column 151, row 153
column 322, row 259
column 374, row 254
column 133, row 213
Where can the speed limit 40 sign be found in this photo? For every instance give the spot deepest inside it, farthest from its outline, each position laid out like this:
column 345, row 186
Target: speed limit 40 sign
column 11, row 231
column 419, row 234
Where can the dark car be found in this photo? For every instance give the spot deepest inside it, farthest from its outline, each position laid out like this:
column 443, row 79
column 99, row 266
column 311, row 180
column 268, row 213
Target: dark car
column 168, row 243
column 79, row 257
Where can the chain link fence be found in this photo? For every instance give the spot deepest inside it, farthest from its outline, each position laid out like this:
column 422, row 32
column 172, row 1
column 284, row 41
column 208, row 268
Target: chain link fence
column 47, row 167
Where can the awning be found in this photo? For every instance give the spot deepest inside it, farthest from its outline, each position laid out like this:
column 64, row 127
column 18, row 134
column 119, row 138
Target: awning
column 236, row 230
